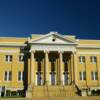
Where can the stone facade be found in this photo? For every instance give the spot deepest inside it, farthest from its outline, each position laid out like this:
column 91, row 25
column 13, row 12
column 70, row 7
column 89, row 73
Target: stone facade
column 49, row 65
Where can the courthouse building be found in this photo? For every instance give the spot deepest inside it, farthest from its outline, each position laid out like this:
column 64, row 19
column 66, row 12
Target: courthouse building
column 49, row 65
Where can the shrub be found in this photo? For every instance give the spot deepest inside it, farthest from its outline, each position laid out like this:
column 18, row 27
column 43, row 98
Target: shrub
column 8, row 93
column 13, row 93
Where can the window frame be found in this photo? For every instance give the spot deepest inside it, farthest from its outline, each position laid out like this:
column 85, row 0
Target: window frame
column 82, row 59
column 21, row 61
column 8, row 58
column 82, row 75
column 94, row 75
column 93, row 59
column 7, row 76
column 20, row 74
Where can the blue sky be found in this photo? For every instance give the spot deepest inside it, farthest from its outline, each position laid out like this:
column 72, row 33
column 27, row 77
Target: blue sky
column 20, row 18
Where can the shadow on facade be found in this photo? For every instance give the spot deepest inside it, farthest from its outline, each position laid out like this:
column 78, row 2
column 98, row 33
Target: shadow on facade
column 25, row 73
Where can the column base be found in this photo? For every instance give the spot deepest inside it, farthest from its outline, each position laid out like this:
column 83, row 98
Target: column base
column 84, row 93
column 29, row 92
column 89, row 93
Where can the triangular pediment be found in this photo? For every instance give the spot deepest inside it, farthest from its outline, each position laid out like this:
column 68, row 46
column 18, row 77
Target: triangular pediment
column 52, row 38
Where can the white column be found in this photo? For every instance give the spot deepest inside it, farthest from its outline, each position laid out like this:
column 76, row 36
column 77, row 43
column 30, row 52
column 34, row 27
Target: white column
column 75, row 68
column 46, row 67
column 72, row 68
column 60, row 67
column 32, row 68
column 32, row 74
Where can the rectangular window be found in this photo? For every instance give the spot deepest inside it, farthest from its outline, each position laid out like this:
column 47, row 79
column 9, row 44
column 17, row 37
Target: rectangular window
column 8, row 58
column 94, row 75
column 5, row 78
column 20, row 76
column 8, row 76
column 21, row 58
column 93, row 59
column 82, row 75
column 82, row 59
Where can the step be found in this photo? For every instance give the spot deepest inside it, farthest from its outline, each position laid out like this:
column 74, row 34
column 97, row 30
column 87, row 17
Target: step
column 38, row 91
column 53, row 91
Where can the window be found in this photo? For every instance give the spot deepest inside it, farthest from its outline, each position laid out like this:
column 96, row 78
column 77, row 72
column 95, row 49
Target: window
column 8, row 58
column 93, row 59
column 21, row 58
column 82, row 75
column 20, row 76
column 94, row 75
column 81, row 59
column 8, row 76
column 53, row 39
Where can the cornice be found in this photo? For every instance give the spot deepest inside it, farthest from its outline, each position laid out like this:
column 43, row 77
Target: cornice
column 12, row 45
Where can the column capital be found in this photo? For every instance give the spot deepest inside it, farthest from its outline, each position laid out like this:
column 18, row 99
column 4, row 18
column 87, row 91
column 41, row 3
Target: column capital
column 32, row 51
column 60, row 51
column 74, row 52
column 46, row 51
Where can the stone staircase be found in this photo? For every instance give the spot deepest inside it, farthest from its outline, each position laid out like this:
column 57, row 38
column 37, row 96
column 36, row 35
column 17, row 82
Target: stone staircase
column 69, row 91
column 54, row 91
column 38, row 91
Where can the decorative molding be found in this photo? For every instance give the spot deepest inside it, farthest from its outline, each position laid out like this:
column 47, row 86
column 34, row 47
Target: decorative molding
column 12, row 42
column 53, row 43
column 47, row 39
column 53, row 48
column 9, row 51
column 12, row 45
column 88, row 52
column 89, row 46
column 13, row 51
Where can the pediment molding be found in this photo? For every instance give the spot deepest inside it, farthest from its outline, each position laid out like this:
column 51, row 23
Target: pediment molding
column 52, row 38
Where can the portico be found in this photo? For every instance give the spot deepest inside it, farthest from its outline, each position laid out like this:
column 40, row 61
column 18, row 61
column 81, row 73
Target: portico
column 52, row 62
column 51, row 68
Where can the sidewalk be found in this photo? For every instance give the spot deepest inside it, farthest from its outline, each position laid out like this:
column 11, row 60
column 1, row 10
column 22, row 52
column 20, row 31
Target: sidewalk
column 56, row 98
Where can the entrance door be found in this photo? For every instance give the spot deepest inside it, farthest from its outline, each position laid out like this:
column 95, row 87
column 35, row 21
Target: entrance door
column 52, row 78
column 39, row 78
column 65, row 78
